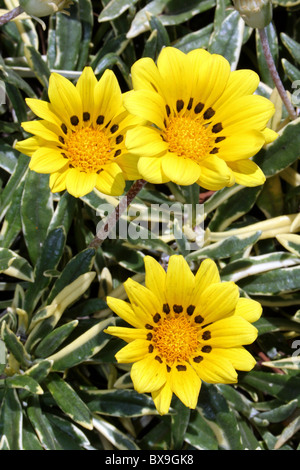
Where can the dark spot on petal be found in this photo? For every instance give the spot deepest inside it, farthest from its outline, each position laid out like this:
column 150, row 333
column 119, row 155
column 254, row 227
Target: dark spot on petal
column 156, row 318
column 198, row 108
column 206, row 335
column 149, row 336
column 177, row 308
column 209, row 113
column 114, row 128
column 149, row 327
column 61, row 139
column 64, row 129
column 168, row 368
column 198, row 319
column 154, row 87
column 206, row 349
column 106, row 125
column 190, row 309
column 99, row 171
column 119, row 139
column 64, row 155
column 100, row 120
column 217, row 128
column 74, row 120
column 86, row 116
column 158, row 359
column 150, row 348
column 214, row 150
column 198, row 359
column 179, row 105
column 219, row 139
column 165, row 123
column 117, row 153
column 166, row 308
column 168, row 110
column 181, row 368
column 190, row 105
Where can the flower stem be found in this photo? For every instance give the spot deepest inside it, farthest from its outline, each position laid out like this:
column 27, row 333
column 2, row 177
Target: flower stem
column 116, row 214
column 10, row 15
column 274, row 74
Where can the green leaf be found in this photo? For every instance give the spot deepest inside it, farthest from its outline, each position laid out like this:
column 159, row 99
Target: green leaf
column 14, row 265
column 121, row 403
column 114, row 9
column 278, row 281
column 68, row 434
column 292, row 72
column 51, row 252
column 179, row 423
column 284, row 387
column 53, row 340
column 2, row 356
column 15, row 346
column 24, row 382
column 86, row 16
column 120, row 440
column 219, row 417
column 12, row 224
column 291, row 242
column 292, row 46
column 195, row 40
column 84, row 347
column 39, row 66
column 11, row 419
column 68, row 36
column 225, row 248
column 18, row 173
column 68, row 401
column 234, row 208
column 282, row 152
column 36, row 212
column 244, row 267
column 199, row 434
column 228, row 38
column 42, row 425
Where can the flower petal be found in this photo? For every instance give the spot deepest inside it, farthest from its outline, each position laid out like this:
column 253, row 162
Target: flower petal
column 145, row 141
column 144, row 302
column 217, row 301
column 241, row 146
column 155, row 278
column 206, row 275
column 57, row 181
column 47, row 160
column 86, row 85
column 247, row 173
column 124, row 310
column 180, row 170
column 162, row 398
column 179, row 281
column 29, row 146
column 215, row 369
column 151, row 170
column 215, row 174
column 148, row 374
column 134, row 351
column 107, row 98
column 64, row 98
column 111, row 180
column 79, row 183
column 186, row 384
column 127, row 334
column 249, row 309
column 147, row 105
column 230, row 332
column 240, row 358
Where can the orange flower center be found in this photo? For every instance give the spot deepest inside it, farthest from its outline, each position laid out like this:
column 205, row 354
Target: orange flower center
column 88, row 149
column 176, row 339
column 188, row 138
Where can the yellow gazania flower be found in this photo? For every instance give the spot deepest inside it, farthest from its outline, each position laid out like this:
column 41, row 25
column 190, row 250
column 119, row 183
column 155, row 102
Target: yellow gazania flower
column 205, row 122
column 80, row 140
column 186, row 329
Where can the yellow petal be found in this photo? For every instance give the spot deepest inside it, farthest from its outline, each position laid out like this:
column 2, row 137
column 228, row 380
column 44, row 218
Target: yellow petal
column 249, row 309
column 151, row 170
column 240, row 83
column 216, row 369
column 241, row 146
column 217, row 301
column 47, row 160
column 134, row 351
column 43, row 129
column 180, row 170
column 240, row 358
column 148, row 374
column 155, row 278
column 29, row 146
column 269, row 135
column 145, row 76
column 230, row 332
column 79, row 183
column 107, row 98
column 144, row 302
column 44, row 110
column 215, row 174
column 145, row 142
column 124, row 310
column 127, row 334
column 180, row 281
column 128, row 164
column 57, row 181
column 86, row 85
column 65, row 99
column 147, row 105
column 162, row 398
column 185, row 384
column 206, row 275
column 247, row 173
column 111, row 180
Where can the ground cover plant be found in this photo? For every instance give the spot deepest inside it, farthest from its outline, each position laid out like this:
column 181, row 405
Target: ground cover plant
column 149, row 237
